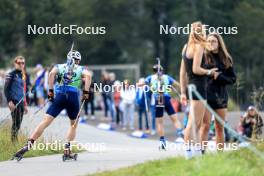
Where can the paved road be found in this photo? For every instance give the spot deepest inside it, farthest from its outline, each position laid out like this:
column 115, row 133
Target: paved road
column 232, row 118
column 119, row 151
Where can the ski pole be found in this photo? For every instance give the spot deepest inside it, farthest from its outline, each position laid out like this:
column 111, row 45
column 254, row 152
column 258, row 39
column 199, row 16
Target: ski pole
column 78, row 115
column 146, row 101
column 39, row 109
column 2, row 121
column 176, row 91
column 16, row 105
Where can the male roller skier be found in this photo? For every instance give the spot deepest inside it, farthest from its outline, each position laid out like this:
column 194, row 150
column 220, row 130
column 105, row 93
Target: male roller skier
column 69, row 78
column 159, row 84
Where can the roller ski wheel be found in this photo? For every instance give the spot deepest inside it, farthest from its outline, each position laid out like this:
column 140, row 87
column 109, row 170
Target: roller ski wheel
column 17, row 158
column 69, row 157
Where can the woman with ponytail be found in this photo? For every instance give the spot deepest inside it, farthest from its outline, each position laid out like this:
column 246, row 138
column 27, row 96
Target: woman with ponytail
column 193, row 71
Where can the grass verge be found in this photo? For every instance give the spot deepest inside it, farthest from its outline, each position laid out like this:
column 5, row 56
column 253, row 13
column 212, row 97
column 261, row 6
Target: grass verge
column 7, row 148
column 237, row 163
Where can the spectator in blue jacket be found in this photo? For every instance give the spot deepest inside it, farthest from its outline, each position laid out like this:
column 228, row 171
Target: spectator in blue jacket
column 142, row 104
column 15, row 95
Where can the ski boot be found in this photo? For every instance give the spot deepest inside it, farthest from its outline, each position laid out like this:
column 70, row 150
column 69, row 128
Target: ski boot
column 163, row 144
column 68, row 155
column 20, row 153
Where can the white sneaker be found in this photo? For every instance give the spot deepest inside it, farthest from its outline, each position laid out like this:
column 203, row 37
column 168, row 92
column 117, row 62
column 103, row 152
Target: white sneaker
column 92, row 117
column 188, row 154
column 153, row 132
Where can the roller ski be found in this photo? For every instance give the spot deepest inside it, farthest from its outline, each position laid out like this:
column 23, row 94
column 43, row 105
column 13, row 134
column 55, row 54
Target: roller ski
column 17, row 157
column 68, row 155
column 72, row 156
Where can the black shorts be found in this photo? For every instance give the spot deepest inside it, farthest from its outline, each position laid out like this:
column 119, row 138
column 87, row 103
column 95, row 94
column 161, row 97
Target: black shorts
column 69, row 101
column 159, row 111
column 201, row 89
column 217, row 97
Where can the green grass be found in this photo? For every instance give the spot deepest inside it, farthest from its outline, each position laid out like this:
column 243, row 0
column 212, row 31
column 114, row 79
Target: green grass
column 7, row 148
column 237, row 163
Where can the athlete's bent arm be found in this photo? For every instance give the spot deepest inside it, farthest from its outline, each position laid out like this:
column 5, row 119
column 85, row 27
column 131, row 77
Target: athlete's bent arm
column 52, row 75
column 87, row 79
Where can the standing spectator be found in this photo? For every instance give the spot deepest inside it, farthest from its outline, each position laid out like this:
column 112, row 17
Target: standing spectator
column 117, row 99
column 14, row 91
column 110, row 97
column 28, row 85
column 39, row 84
column 252, row 123
column 128, row 95
column 2, row 82
column 217, row 56
column 90, row 101
column 105, row 80
column 142, row 105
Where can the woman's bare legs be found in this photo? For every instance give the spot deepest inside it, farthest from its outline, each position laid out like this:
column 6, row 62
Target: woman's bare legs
column 219, row 130
column 41, row 127
column 197, row 111
column 204, row 130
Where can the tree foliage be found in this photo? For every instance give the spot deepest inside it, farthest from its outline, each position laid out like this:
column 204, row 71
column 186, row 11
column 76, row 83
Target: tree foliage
column 132, row 32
